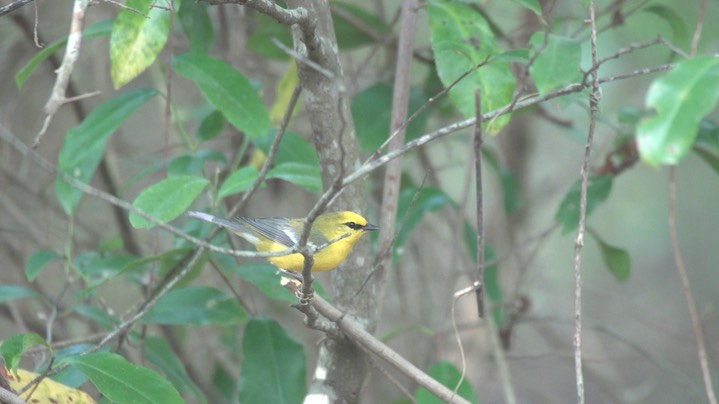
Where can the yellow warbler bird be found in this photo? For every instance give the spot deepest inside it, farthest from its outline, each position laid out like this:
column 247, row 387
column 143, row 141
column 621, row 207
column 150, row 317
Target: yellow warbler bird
column 267, row 234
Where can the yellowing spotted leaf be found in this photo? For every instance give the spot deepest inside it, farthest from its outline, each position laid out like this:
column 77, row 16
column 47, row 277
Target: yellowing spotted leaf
column 47, row 391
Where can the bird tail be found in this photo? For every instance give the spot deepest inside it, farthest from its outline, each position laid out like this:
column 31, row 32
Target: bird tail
column 213, row 219
column 235, row 226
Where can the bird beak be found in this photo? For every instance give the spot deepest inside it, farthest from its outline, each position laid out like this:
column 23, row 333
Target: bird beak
column 370, row 226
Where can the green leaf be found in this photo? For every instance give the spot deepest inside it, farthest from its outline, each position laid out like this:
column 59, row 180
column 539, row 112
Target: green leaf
column 348, row 35
column 680, row 98
column 708, row 136
column 470, row 241
column 12, row 292
column 447, row 374
column 14, row 347
column 616, row 259
column 138, row 36
column 514, row 55
column 511, row 193
column 97, row 315
column 630, row 115
column 239, row 181
column 415, row 207
column 37, row 262
column 160, row 353
column 492, row 286
column 598, row 190
column 264, row 277
column 166, row 260
column 98, row 29
column 711, row 159
column 96, row 269
column 227, row 90
column 461, row 41
column 193, row 163
column 261, row 40
column 293, row 148
column 671, row 17
column 196, row 25
column 123, row 382
column 557, row 63
column 70, row 376
column 273, row 366
column 211, row 126
column 532, row 5
column 195, row 305
column 371, row 112
column 224, row 383
column 84, row 145
column 167, row 199
column 303, row 175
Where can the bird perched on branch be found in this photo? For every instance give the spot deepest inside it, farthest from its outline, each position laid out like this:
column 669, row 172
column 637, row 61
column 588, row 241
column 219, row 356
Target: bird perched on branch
column 335, row 233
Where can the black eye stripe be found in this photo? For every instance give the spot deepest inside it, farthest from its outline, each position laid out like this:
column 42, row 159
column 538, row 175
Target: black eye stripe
column 353, row 225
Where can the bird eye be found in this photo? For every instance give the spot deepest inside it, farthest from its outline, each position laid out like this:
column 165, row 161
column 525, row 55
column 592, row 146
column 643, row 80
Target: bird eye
column 353, row 225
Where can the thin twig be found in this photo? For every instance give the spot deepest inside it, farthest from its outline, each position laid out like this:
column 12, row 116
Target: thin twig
column 167, row 113
column 623, row 51
column 382, row 39
column 529, row 101
column 579, row 242
column 427, row 104
column 477, row 143
column 35, row 35
column 302, row 59
column 25, row 150
column 383, row 255
column 698, row 27
column 72, row 51
column 686, row 288
column 123, row 327
column 13, row 6
column 453, row 316
column 271, row 153
column 478, row 286
column 128, row 238
column 121, row 5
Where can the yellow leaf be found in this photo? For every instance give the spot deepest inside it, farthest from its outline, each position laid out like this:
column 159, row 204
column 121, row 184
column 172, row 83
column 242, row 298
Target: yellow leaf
column 285, row 88
column 257, row 159
column 47, row 391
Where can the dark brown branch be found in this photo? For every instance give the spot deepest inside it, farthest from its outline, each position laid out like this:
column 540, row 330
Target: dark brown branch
column 13, row 6
column 478, row 138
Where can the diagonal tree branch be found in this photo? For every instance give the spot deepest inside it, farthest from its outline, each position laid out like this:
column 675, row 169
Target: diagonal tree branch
column 72, row 51
column 13, row 6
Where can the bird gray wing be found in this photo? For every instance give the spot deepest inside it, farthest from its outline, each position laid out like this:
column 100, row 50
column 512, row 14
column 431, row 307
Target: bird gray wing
column 275, row 228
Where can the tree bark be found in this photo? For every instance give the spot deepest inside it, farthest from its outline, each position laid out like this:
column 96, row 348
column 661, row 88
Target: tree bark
column 341, row 366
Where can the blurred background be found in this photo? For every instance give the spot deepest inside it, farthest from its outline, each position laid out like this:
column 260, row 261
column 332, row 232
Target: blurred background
column 638, row 339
